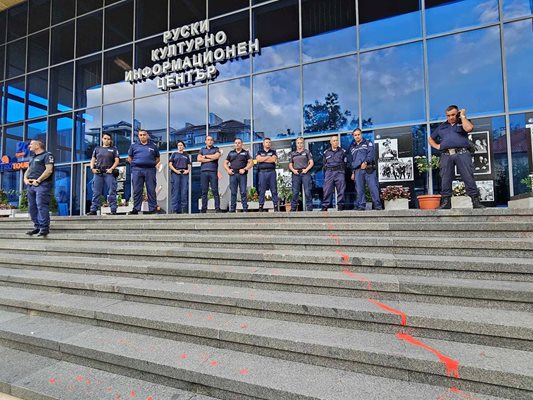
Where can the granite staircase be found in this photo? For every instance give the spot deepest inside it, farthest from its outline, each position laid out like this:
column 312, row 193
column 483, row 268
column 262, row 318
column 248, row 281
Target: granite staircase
column 339, row 305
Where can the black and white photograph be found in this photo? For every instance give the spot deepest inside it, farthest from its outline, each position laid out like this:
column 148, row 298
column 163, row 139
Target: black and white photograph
column 480, row 140
column 481, row 164
column 482, row 155
column 283, row 155
column 486, row 190
column 387, row 148
column 395, row 169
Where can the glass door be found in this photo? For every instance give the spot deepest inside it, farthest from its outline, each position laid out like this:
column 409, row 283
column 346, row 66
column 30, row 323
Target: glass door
column 317, row 147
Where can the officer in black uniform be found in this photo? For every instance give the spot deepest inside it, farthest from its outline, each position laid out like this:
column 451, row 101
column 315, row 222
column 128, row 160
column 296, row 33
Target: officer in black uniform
column 104, row 162
column 300, row 163
column 237, row 164
column 180, row 165
column 335, row 161
column 266, row 174
column 39, row 178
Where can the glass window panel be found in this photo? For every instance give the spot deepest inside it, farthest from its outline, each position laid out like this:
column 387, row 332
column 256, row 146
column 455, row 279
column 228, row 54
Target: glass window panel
column 89, row 81
column 143, row 51
column 187, row 117
column 108, row 2
column 37, row 92
column 85, row 6
column 519, row 58
column 62, row 43
column 2, row 61
column 117, row 121
column 15, row 94
column 60, row 137
column 237, row 27
column 16, row 58
column 1, row 111
column 38, row 51
column 118, row 24
column 76, row 188
column 3, row 26
column 11, row 185
column 61, row 82
column 521, row 126
column 86, row 133
column 39, row 15
column 450, row 15
column 152, row 17
column 277, row 104
column 219, row 7
column 517, row 8
column 151, row 114
column 116, row 62
column 384, row 21
column 472, row 59
column 330, row 95
column 392, row 85
column 89, row 34
column 183, row 12
column 279, row 47
column 62, row 189
column 37, row 130
column 17, row 21
column 328, row 28
column 13, row 135
column 229, row 110
column 62, row 10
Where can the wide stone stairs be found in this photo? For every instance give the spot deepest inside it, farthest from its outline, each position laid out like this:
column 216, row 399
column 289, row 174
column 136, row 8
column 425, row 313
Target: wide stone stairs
column 340, row 305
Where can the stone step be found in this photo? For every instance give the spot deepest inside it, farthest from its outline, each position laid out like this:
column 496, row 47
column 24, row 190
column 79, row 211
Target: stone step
column 256, row 376
column 481, row 325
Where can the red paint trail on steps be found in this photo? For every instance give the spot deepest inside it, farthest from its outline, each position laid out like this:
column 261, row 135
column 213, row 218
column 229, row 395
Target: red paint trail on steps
column 392, row 310
column 359, row 278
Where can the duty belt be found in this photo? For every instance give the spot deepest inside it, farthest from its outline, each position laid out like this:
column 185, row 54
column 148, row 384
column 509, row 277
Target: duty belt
column 338, row 168
column 266, row 170
column 456, row 150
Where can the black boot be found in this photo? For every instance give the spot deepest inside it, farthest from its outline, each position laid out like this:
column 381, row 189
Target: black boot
column 476, row 203
column 445, row 203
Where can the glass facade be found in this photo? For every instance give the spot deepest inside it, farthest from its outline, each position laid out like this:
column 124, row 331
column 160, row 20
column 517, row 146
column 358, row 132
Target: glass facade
column 325, row 67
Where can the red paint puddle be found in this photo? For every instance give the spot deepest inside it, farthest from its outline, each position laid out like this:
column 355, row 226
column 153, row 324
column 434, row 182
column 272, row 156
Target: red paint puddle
column 184, row 356
column 214, row 363
column 344, row 257
column 359, row 278
column 132, row 393
column 52, row 380
column 452, row 366
column 392, row 310
column 244, row 371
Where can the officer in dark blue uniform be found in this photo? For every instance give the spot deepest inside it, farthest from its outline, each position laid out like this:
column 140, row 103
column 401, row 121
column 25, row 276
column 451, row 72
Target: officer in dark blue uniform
column 103, row 162
column 266, row 174
column 300, row 163
column 364, row 171
column 335, row 161
column 143, row 157
column 209, row 156
column 180, row 165
column 39, row 178
column 452, row 137
column 237, row 164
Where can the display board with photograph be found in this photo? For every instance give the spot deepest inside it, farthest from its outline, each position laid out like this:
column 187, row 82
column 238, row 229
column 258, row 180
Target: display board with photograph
column 481, row 158
column 485, row 188
column 394, row 163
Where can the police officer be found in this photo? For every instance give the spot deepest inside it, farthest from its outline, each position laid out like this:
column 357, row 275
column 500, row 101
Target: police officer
column 209, row 156
column 103, row 163
column 39, row 178
column 266, row 174
column 364, row 170
column 180, row 165
column 300, row 163
column 237, row 164
column 143, row 157
column 452, row 137
column 335, row 161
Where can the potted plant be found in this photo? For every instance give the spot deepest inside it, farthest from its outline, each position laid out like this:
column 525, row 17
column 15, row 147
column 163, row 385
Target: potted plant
column 424, row 166
column 285, row 190
column 5, row 207
column 524, row 200
column 396, row 197
column 459, row 197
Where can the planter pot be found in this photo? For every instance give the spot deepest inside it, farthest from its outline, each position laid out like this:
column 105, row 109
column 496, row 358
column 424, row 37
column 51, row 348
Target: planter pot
column 6, row 213
column 397, row 204
column 254, row 205
column 287, row 207
column 524, row 200
column 461, row 202
column 120, row 209
column 428, row 201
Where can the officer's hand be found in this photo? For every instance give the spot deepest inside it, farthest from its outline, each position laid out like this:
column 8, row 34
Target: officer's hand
column 35, row 183
column 94, row 170
column 242, row 171
column 463, row 112
column 230, row 172
column 186, row 172
column 353, row 176
column 295, row 172
column 109, row 171
column 363, row 165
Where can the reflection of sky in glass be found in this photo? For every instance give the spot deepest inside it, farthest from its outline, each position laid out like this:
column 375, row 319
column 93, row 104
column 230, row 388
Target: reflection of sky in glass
column 392, row 82
column 151, row 112
column 465, row 69
column 519, row 56
column 87, row 132
column 147, row 87
column 517, row 8
column 390, row 30
column 15, row 104
column 116, row 113
column 277, row 56
column 63, row 131
column 277, row 105
column 118, row 91
column 94, row 96
column 460, row 14
column 34, row 110
column 232, row 68
column 187, row 107
column 37, row 130
column 330, row 43
column 231, row 100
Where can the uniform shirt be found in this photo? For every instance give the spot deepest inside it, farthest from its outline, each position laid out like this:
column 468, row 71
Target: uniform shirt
column 143, row 155
column 238, row 160
column 261, row 166
column 450, row 136
column 362, row 152
column 336, row 158
column 38, row 165
column 105, row 156
column 180, row 160
column 211, row 166
column 300, row 160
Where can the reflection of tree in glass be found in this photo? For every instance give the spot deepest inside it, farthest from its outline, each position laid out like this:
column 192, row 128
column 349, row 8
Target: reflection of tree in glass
column 327, row 116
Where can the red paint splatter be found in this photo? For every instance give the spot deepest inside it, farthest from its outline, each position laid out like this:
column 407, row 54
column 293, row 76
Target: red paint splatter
column 244, row 371
column 344, row 257
column 118, row 397
column 87, row 381
column 461, row 393
column 149, row 398
column 452, row 366
column 336, row 238
column 392, row 310
column 110, row 389
column 214, row 363
column 244, row 326
column 184, row 356
column 210, row 318
column 79, row 378
column 205, row 356
column 52, row 380
column 359, row 278
column 132, row 393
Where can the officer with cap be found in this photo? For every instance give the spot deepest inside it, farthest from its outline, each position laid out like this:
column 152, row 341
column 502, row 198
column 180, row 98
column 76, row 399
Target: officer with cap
column 335, row 161
column 180, row 165
column 452, row 137
column 237, row 164
column 300, row 163
column 209, row 156
column 266, row 174
column 103, row 163
column 362, row 163
column 39, row 178
column 143, row 157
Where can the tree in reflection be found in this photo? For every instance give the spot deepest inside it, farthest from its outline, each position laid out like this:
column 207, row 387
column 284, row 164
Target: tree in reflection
column 327, row 116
